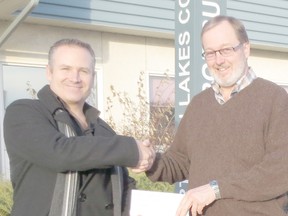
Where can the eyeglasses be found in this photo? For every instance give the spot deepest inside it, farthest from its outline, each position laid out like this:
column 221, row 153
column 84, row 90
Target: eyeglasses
column 225, row 52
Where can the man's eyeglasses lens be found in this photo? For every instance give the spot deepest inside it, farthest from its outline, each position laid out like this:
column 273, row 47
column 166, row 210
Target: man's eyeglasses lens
column 226, row 52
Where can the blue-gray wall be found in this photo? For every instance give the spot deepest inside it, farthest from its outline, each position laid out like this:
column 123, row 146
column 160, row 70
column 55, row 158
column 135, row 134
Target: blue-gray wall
column 266, row 21
column 152, row 15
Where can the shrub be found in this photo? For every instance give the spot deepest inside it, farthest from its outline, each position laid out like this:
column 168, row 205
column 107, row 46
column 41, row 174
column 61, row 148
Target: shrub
column 143, row 183
column 6, row 202
column 142, row 121
column 139, row 119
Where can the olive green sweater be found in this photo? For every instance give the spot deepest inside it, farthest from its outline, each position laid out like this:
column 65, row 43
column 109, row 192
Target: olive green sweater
column 242, row 144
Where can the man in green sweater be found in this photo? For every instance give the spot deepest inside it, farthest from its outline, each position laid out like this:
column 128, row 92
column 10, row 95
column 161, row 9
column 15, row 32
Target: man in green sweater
column 232, row 142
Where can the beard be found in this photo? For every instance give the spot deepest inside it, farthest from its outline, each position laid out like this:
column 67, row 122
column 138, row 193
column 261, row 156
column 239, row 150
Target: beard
column 232, row 78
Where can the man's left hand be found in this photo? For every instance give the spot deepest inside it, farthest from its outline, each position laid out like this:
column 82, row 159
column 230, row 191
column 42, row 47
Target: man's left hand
column 195, row 200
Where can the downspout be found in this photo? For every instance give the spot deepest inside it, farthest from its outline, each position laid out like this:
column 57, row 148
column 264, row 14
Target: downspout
column 3, row 154
column 4, row 161
column 24, row 13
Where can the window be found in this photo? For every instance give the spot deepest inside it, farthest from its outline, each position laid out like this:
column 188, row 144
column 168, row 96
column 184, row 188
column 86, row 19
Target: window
column 162, row 110
column 15, row 82
column 18, row 79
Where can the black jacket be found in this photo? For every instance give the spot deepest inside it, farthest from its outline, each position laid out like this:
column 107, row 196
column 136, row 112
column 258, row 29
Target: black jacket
column 38, row 151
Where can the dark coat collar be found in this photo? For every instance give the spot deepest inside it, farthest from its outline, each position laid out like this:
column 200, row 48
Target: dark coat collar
column 53, row 103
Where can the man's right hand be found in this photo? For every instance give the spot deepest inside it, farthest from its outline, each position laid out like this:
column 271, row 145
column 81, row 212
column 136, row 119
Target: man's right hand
column 146, row 156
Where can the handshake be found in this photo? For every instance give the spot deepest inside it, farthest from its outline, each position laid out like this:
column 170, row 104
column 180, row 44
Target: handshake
column 146, row 156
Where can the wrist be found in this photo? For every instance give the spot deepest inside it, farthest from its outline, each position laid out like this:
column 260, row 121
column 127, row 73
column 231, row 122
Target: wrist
column 214, row 185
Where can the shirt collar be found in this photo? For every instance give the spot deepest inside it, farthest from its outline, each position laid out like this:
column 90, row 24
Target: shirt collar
column 242, row 83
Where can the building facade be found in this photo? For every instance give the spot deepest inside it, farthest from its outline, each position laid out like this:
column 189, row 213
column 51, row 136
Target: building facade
column 129, row 37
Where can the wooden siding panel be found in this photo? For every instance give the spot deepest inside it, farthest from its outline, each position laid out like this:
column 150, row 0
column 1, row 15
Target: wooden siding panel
column 166, row 4
column 147, row 14
column 269, row 3
column 152, row 10
column 266, row 21
column 104, row 17
column 263, row 23
column 275, row 8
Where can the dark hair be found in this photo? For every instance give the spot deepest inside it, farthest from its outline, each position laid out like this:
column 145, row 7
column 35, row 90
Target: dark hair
column 235, row 23
column 70, row 42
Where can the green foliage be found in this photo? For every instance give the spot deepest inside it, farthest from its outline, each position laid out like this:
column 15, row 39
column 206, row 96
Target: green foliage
column 6, row 202
column 143, row 183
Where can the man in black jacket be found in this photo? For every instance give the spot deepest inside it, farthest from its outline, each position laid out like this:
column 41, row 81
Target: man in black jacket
column 40, row 151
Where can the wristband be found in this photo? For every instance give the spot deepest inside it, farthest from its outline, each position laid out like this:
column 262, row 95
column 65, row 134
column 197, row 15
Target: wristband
column 215, row 187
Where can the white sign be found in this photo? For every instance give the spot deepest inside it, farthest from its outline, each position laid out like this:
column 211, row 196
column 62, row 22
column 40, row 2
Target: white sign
column 151, row 203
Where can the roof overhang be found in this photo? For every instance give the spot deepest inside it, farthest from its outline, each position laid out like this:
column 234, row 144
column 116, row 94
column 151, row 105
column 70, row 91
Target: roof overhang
column 12, row 6
column 9, row 7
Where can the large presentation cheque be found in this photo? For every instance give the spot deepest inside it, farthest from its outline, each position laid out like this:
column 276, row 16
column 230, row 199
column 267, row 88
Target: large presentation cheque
column 151, row 203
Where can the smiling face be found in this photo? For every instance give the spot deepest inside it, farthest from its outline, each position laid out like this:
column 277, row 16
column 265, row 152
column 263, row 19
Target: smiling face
column 71, row 74
column 225, row 70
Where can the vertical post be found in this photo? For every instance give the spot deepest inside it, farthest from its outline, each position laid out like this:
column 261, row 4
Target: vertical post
column 4, row 161
column 191, row 73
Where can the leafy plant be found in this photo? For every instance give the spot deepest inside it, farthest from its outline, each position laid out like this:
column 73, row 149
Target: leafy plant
column 140, row 119
column 6, row 200
column 143, row 183
column 143, row 120
column 30, row 90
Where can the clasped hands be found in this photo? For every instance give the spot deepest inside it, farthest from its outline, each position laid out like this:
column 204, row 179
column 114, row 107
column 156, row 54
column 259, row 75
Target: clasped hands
column 146, row 156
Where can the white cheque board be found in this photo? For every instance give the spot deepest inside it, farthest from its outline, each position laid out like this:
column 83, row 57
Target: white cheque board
column 151, row 203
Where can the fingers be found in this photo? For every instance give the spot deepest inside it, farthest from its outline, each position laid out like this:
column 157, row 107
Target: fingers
column 144, row 165
column 184, row 206
column 146, row 143
column 200, row 208
column 195, row 200
column 137, row 171
column 197, row 209
column 194, row 209
column 146, row 156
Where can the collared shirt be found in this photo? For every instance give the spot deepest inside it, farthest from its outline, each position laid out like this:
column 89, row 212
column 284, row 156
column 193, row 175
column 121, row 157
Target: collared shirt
column 242, row 83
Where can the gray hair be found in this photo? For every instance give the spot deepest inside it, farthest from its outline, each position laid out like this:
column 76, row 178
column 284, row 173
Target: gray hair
column 235, row 23
column 70, row 42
